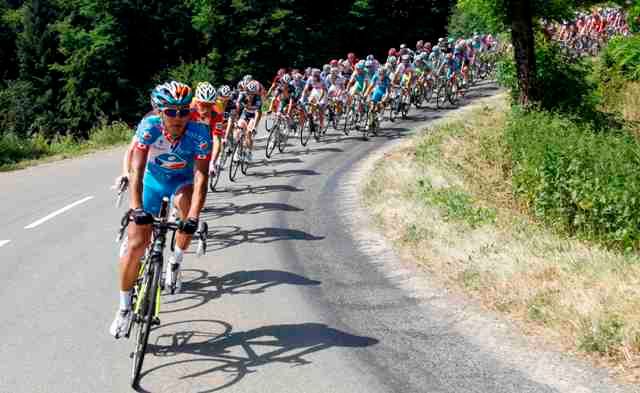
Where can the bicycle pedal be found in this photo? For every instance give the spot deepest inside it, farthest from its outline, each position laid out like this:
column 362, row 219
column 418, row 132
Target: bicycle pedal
column 155, row 321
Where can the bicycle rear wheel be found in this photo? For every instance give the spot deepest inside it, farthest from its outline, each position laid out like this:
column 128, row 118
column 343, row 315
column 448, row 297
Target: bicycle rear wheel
column 144, row 320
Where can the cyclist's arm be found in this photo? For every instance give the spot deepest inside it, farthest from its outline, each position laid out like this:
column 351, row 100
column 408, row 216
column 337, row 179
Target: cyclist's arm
column 138, row 164
column 126, row 160
column 199, row 188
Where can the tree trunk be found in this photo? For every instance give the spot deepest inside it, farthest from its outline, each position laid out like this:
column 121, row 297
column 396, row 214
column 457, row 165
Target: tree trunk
column 524, row 48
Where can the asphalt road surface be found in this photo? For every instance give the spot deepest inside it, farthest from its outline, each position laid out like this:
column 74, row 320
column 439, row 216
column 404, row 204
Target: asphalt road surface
column 282, row 302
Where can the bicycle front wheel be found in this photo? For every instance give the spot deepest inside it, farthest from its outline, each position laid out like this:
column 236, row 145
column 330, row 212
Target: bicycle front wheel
column 236, row 159
column 305, row 132
column 272, row 140
column 144, row 319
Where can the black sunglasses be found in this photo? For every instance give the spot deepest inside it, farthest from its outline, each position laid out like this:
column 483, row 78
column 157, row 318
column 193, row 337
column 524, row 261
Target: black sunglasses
column 183, row 112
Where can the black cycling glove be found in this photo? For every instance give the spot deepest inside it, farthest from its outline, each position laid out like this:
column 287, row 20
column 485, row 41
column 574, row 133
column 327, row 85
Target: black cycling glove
column 141, row 217
column 190, row 226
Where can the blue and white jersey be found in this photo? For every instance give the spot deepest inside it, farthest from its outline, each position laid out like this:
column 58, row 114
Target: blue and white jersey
column 169, row 160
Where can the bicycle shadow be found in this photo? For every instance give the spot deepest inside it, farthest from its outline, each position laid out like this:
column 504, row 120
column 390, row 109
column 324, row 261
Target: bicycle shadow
column 236, row 355
column 222, row 237
column 219, row 210
column 260, row 190
column 285, row 173
column 203, row 288
column 311, row 151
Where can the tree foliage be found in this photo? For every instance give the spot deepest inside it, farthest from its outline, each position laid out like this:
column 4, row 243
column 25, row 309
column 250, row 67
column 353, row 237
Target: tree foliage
column 67, row 64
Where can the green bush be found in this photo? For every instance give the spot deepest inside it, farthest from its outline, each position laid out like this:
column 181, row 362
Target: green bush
column 633, row 18
column 580, row 180
column 14, row 148
column 109, row 134
column 621, row 56
column 564, row 84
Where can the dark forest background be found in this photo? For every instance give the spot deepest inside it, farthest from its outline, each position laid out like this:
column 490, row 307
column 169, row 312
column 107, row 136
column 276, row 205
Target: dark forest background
column 65, row 65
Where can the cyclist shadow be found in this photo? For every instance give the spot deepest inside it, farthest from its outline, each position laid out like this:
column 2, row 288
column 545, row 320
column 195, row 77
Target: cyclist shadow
column 204, row 288
column 221, row 237
column 235, row 355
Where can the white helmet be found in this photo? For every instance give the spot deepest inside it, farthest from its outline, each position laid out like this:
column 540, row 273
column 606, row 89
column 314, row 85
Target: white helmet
column 205, row 92
column 253, row 87
column 224, row 91
column 286, row 78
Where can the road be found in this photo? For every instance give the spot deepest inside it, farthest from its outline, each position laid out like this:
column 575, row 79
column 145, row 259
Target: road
column 283, row 302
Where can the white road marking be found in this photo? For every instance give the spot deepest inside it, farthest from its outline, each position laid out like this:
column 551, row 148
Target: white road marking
column 57, row 212
column 4, row 242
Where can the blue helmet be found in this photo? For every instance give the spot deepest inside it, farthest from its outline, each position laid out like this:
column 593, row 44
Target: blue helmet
column 171, row 94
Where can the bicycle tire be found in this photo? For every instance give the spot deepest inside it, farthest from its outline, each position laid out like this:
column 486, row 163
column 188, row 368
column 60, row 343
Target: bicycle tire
column 305, row 136
column 441, row 96
column 143, row 327
column 284, row 139
column 213, row 181
column 272, row 141
column 238, row 151
column 269, row 121
column 452, row 94
column 244, row 164
column 346, row 122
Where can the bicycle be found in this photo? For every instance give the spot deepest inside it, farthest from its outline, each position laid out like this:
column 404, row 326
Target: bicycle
column 149, row 284
column 278, row 135
column 239, row 154
column 221, row 164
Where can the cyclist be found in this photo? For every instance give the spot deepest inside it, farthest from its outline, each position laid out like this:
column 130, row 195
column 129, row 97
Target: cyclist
column 274, row 86
column 248, row 105
column 358, row 82
column 170, row 159
column 377, row 91
column 316, row 91
column 203, row 111
column 225, row 110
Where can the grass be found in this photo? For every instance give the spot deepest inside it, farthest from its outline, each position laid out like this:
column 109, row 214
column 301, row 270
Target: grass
column 19, row 152
column 445, row 200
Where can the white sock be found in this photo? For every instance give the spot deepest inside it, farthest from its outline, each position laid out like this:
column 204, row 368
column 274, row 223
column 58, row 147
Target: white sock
column 178, row 255
column 125, row 300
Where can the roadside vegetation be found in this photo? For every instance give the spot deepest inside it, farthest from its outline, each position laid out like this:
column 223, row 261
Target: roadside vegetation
column 19, row 151
column 534, row 210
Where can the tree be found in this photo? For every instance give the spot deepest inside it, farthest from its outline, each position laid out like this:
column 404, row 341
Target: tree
column 519, row 14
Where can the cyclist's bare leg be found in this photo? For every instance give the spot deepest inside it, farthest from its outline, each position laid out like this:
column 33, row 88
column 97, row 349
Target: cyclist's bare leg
column 217, row 142
column 253, row 123
column 182, row 201
column 138, row 238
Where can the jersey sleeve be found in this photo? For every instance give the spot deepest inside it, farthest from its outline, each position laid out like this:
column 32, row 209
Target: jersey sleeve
column 147, row 132
column 202, row 141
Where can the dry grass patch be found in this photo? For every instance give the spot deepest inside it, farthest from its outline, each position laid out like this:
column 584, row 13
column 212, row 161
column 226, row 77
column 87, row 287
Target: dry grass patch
column 444, row 199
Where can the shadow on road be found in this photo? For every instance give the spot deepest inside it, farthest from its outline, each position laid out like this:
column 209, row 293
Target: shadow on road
column 285, row 173
column 236, row 355
column 219, row 210
column 199, row 287
column 221, row 237
column 258, row 190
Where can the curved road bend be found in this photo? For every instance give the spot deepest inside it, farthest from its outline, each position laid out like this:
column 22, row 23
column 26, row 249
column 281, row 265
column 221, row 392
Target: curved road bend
column 283, row 301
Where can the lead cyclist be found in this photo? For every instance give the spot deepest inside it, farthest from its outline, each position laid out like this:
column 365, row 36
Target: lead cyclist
column 170, row 159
